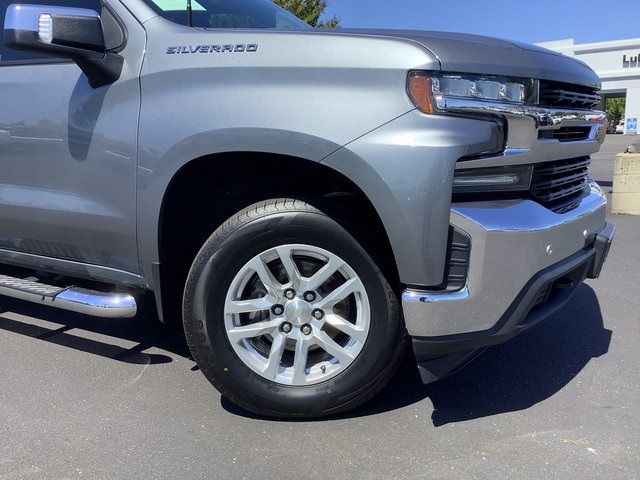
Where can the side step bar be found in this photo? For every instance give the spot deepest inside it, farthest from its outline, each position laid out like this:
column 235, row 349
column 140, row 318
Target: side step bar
column 81, row 300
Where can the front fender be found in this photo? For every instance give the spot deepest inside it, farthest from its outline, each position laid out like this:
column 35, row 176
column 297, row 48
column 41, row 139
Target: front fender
column 156, row 172
column 406, row 170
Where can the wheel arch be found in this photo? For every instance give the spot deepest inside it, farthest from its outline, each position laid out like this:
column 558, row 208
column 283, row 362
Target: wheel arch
column 221, row 184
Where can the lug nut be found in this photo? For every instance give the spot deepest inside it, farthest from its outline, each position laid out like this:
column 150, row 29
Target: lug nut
column 286, row 327
column 290, row 294
column 309, row 296
column 306, row 329
column 277, row 309
column 318, row 314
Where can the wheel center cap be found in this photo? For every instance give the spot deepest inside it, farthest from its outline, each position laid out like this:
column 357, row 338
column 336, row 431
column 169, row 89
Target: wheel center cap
column 297, row 311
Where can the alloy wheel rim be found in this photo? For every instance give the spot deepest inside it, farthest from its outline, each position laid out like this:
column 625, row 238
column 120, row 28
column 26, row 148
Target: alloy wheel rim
column 297, row 314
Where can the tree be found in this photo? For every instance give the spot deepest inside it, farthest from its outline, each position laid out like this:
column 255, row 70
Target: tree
column 310, row 11
column 615, row 110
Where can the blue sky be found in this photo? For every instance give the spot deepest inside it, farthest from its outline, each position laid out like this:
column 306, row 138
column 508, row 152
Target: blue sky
column 529, row 21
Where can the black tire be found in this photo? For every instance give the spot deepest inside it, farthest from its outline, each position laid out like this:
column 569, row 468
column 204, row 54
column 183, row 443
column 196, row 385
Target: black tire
column 248, row 233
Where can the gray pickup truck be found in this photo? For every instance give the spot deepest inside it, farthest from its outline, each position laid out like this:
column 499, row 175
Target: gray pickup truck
column 307, row 202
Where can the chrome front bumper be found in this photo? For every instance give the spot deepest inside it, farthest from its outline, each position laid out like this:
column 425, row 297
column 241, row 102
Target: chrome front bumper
column 511, row 242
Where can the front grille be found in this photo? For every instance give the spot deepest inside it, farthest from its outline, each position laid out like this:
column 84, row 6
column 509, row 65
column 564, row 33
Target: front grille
column 565, row 134
column 564, row 95
column 559, row 185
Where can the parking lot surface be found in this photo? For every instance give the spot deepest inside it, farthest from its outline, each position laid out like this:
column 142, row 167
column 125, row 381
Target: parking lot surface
column 91, row 398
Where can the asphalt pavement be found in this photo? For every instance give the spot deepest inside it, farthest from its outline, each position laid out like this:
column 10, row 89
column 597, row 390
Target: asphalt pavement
column 88, row 398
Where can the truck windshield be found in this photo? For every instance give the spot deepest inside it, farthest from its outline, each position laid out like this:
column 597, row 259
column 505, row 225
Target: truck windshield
column 227, row 14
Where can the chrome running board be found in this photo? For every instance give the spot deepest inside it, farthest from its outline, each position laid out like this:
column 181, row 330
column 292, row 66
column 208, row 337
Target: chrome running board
column 74, row 299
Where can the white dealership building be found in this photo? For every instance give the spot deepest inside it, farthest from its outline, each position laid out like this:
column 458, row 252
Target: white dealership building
column 618, row 65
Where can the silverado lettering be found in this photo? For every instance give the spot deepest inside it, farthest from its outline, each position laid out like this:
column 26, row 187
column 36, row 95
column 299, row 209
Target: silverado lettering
column 238, row 48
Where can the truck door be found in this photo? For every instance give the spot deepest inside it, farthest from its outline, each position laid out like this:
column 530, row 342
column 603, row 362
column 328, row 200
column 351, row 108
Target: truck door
column 68, row 153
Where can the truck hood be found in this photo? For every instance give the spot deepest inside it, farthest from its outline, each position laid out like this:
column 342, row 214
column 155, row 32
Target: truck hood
column 463, row 53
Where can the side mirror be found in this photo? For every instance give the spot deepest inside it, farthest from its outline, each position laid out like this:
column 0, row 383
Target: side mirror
column 75, row 33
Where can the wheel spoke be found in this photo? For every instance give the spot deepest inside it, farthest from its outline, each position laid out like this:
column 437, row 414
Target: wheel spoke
column 352, row 285
column 251, row 305
column 286, row 257
column 325, row 342
column 325, row 273
column 266, row 277
column 275, row 355
column 300, row 361
column 253, row 330
column 346, row 327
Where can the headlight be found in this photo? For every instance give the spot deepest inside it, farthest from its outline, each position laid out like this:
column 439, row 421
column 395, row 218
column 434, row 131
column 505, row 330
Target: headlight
column 428, row 90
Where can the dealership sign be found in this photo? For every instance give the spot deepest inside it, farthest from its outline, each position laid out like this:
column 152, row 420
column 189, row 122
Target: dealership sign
column 630, row 62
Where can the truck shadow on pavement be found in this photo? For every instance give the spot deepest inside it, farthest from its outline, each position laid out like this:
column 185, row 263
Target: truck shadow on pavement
column 505, row 378
column 509, row 377
column 123, row 340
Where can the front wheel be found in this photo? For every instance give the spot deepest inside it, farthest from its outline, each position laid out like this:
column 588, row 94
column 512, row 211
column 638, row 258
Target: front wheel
column 287, row 315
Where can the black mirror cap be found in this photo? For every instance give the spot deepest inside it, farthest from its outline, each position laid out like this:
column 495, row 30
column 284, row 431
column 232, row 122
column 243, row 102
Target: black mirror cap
column 30, row 41
column 78, row 32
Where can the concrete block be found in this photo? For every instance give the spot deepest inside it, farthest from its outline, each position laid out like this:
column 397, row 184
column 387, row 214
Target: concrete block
column 626, row 184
